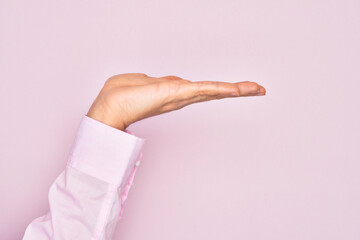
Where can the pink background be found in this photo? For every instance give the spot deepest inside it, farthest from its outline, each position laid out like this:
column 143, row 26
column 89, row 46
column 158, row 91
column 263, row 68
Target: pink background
column 283, row 166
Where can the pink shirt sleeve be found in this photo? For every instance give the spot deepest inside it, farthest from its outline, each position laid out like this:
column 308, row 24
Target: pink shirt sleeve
column 87, row 198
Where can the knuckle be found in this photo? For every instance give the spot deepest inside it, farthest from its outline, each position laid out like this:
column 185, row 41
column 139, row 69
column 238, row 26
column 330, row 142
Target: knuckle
column 172, row 77
column 124, row 76
column 237, row 91
column 112, row 79
column 131, row 75
column 200, row 89
column 185, row 81
column 176, row 86
column 141, row 74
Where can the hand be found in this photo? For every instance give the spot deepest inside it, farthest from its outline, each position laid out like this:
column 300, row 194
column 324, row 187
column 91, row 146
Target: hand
column 130, row 97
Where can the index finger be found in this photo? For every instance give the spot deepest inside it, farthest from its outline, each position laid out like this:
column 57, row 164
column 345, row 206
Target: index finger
column 215, row 88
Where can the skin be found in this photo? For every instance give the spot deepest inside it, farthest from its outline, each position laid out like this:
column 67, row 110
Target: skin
column 130, row 97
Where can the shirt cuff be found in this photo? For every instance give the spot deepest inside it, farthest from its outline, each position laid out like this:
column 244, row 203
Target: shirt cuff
column 104, row 152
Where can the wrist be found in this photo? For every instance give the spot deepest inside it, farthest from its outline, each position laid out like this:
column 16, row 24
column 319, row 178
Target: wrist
column 103, row 118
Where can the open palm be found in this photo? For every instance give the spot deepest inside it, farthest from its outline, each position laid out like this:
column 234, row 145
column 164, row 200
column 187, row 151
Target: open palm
column 130, row 97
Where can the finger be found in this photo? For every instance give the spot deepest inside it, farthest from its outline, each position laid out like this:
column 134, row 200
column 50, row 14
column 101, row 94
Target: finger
column 210, row 90
column 246, row 91
column 214, row 88
column 195, row 99
column 219, row 90
column 205, row 98
column 171, row 77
